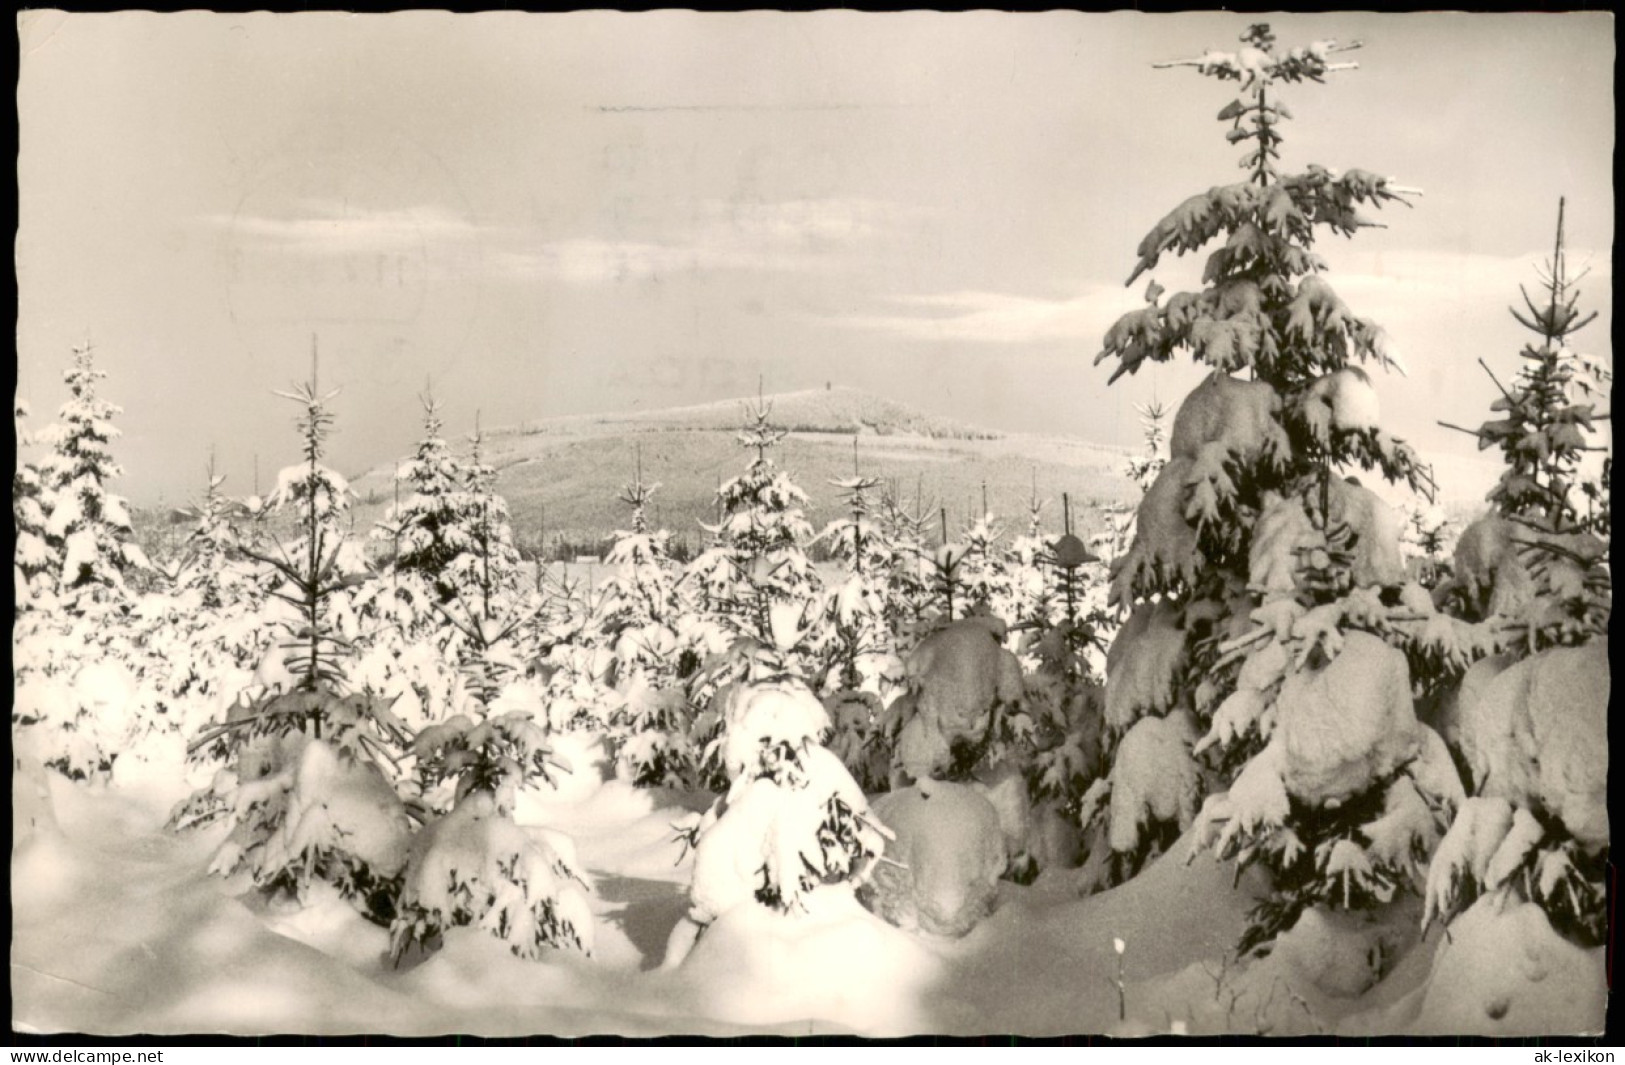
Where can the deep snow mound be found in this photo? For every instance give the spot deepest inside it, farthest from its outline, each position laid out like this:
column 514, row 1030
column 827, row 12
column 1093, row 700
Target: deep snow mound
column 940, row 872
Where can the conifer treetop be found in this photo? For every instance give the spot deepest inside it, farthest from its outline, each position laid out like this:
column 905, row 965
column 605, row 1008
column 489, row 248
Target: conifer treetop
column 637, row 495
column 1548, row 408
column 759, row 433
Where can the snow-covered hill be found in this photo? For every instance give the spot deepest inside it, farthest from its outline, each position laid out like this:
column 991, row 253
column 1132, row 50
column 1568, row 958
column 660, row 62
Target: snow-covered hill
column 559, row 474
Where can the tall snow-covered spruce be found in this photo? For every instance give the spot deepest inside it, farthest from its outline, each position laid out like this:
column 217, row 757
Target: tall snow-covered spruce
column 1266, row 582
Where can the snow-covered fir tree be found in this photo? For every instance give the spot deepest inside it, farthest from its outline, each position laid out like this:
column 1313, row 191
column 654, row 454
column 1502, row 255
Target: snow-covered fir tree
column 1142, row 469
column 760, row 556
column 640, row 615
column 306, row 784
column 474, row 865
column 31, row 553
column 793, row 821
column 204, row 641
column 87, row 528
column 1264, row 577
column 1064, row 698
column 1530, row 723
column 1427, row 539
column 489, row 565
column 213, row 566
column 756, row 580
column 987, row 581
column 1030, row 587
column 428, row 529
column 860, row 666
column 905, row 535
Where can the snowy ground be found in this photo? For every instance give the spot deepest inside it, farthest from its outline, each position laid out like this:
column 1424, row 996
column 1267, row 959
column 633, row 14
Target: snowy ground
column 117, row 929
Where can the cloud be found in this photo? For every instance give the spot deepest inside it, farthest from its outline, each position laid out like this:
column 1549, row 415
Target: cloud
column 1404, row 290
column 330, row 229
column 718, row 235
column 587, row 261
column 1000, row 318
column 1415, row 278
column 808, row 235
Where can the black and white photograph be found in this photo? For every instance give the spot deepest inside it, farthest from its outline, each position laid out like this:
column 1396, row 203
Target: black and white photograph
column 812, row 525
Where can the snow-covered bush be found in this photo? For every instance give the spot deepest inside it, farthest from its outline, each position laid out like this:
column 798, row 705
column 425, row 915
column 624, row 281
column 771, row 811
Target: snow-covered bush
column 1534, row 737
column 78, row 697
column 1266, row 578
column 792, row 821
column 405, row 651
column 475, row 865
column 940, row 870
column 961, row 680
column 305, row 808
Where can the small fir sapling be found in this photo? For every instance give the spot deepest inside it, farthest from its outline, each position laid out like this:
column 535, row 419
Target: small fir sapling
column 486, row 572
column 1531, row 722
column 905, row 531
column 946, row 569
column 1064, row 693
column 474, row 865
column 792, row 821
column 649, row 724
column 1427, row 539
column 87, row 529
column 32, row 576
column 986, row 580
column 860, row 666
column 1031, row 586
column 1263, row 574
column 762, row 524
column 429, row 528
column 759, row 583
column 1142, row 469
column 213, row 566
column 307, row 780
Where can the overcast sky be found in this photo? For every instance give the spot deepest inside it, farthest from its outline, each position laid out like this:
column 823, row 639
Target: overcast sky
column 600, row 211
